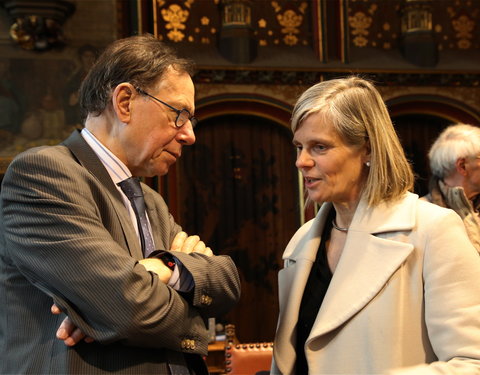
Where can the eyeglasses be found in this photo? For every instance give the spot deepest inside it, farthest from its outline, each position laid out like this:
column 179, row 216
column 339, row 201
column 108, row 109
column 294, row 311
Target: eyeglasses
column 183, row 115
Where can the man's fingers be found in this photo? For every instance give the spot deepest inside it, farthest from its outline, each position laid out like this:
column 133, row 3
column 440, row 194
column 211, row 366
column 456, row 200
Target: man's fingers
column 67, row 332
column 199, row 247
column 66, row 329
column 178, row 241
column 55, row 310
column 70, row 334
column 74, row 338
column 189, row 244
column 208, row 252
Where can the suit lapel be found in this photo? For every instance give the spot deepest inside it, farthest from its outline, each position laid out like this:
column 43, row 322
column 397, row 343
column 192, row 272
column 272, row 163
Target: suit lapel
column 88, row 159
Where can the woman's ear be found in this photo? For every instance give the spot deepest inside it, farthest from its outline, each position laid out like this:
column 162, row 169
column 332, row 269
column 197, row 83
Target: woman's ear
column 121, row 101
column 367, row 151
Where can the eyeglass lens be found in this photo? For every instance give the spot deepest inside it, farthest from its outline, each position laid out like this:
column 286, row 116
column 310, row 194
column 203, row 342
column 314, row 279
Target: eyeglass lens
column 183, row 117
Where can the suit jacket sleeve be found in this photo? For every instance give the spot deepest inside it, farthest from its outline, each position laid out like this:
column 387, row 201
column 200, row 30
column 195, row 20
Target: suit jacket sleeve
column 63, row 230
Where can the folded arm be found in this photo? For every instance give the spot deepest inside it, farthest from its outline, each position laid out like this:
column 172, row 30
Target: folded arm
column 71, row 247
column 72, row 335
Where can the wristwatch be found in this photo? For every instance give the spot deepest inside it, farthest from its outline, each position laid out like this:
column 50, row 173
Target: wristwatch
column 168, row 260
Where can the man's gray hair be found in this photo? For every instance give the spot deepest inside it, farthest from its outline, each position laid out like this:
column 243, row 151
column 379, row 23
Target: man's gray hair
column 455, row 142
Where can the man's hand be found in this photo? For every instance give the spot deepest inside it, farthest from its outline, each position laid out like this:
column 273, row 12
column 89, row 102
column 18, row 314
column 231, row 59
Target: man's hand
column 68, row 332
column 190, row 244
column 157, row 266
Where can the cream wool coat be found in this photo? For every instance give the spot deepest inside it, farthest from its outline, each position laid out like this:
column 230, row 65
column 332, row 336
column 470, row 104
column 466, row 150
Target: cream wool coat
column 404, row 298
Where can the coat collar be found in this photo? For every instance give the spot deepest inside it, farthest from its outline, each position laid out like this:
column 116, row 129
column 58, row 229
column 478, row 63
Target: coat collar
column 386, row 217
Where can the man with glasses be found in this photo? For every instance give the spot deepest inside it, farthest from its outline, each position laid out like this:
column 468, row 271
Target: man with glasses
column 88, row 250
column 455, row 183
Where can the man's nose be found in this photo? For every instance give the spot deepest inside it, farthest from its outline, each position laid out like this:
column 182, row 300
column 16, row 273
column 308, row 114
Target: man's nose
column 186, row 135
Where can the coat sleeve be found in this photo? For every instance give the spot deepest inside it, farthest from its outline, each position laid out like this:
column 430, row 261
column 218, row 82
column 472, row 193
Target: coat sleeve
column 58, row 232
column 452, row 299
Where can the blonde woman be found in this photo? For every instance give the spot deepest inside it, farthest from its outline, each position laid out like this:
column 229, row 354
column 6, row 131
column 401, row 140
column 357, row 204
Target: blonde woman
column 379, row 282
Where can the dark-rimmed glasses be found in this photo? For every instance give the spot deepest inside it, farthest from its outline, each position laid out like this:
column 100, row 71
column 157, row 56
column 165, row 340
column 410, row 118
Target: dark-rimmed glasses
column 183, row 115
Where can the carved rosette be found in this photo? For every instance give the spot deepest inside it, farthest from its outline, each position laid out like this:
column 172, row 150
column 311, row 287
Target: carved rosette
column 175, row 18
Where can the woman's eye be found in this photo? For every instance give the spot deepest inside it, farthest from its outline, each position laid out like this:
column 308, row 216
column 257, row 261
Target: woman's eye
column 319, row 147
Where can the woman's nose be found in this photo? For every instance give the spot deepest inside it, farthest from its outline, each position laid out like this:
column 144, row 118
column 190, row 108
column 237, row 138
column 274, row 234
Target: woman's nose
column 304, row 160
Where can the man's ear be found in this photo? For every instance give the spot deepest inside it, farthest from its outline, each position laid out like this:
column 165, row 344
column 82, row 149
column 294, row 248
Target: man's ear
column 121, row 101
column 460, row 166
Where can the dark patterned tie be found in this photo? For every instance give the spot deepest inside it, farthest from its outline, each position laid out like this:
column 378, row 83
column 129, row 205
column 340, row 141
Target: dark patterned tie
column 132, row 189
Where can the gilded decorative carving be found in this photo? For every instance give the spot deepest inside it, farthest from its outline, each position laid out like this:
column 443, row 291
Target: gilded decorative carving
column 175, row 18
column 290, row 21
column 463, row 27
column 360, row 23
column 372, row 23
column 276, row 7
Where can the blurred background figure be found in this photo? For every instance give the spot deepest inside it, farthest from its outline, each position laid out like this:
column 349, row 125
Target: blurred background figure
column 87, row 54
column 455, row 183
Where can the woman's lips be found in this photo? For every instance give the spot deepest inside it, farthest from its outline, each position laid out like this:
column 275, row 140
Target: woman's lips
column 310, row 181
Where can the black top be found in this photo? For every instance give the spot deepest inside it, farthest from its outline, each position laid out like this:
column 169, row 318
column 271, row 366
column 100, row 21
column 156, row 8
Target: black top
column 313, row 295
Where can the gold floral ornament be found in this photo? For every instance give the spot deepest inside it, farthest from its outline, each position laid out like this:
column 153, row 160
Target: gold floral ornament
column 290, row 21
column 463, row 27
column 175, row 17
column 360, row 23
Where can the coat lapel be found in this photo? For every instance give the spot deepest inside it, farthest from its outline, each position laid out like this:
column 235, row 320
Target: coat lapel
column 87, row 158
column 372, row 253
column 301, row 250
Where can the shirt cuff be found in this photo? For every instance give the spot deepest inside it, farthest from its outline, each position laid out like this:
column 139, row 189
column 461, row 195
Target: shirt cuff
column 181, row 279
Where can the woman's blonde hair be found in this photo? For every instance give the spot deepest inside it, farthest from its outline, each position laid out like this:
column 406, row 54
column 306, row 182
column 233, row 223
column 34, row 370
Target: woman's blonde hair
column 359, row 115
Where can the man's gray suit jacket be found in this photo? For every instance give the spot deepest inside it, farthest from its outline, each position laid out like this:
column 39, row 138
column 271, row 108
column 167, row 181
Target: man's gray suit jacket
column 66, row 238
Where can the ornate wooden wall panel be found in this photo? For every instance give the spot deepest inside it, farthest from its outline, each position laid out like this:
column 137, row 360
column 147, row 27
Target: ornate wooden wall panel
column 238, row 190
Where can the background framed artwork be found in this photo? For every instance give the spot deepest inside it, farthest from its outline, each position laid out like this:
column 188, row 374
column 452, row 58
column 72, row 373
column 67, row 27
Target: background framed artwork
column 38, row 87
column 38, row 103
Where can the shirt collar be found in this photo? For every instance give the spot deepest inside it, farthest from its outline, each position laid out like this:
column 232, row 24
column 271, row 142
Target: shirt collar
column 117, row 170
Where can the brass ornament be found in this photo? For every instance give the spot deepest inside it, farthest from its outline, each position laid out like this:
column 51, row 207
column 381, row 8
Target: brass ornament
column 175, row 18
